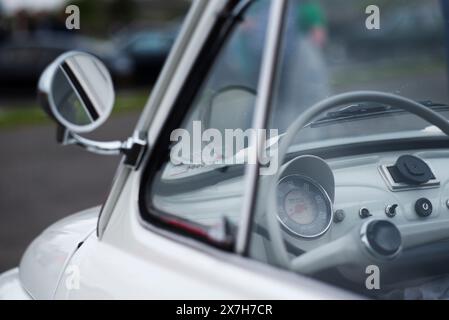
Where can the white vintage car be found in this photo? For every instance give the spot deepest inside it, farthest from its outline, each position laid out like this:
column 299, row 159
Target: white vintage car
column 351, row 200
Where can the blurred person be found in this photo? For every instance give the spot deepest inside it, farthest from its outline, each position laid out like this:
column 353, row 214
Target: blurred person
column 303, row 66
column 4, row 29
column 3, row 32
column 22, row 24
column 311, row 21
column 52, row 22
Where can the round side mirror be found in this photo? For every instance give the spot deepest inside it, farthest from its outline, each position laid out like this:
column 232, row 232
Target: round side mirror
column 77, row 91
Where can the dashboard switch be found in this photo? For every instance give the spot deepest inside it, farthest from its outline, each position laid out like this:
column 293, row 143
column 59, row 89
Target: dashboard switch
column 390, row 210
column 364, row 213
column 423, row 207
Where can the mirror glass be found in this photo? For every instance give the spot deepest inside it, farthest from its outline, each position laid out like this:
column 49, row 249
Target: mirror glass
column 80, row 92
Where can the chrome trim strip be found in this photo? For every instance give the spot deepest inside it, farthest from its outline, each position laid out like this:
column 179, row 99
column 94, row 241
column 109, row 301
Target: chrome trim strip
column 266, row 90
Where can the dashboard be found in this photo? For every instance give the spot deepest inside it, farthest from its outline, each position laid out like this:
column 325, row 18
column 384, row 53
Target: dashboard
column 320, row 201
column 407, row 189
column 363, row 190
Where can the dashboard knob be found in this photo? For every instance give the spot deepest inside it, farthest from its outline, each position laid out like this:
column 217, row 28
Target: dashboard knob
column 382, row 238
column 339, row 216
column 423, row 207
column 364, row 213
column 411, row 170
column 390, row 210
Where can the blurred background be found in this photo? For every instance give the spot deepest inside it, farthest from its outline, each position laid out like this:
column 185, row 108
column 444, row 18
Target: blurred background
column 41, row 182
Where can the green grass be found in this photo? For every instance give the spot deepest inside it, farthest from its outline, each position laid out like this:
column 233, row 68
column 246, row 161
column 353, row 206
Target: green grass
column 29, row 113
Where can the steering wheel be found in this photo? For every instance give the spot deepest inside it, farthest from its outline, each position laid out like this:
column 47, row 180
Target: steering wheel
column 348, row 247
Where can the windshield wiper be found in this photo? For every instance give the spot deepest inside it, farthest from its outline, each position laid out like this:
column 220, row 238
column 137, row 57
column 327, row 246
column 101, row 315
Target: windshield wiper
column 368, row 110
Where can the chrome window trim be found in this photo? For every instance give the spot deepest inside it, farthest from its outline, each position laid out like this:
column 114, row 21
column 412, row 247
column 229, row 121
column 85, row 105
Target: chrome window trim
column 266, row 90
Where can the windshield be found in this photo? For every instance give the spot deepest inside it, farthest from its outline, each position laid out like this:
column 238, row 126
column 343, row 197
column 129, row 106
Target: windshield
column 364, row 183
column 337, row 207
column 332, row 47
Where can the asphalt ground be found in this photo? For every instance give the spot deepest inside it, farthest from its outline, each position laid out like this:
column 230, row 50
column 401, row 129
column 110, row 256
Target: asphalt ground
column 42, row 182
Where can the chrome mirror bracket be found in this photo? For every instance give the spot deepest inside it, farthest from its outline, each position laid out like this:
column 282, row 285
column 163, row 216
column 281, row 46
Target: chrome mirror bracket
column 132, row 148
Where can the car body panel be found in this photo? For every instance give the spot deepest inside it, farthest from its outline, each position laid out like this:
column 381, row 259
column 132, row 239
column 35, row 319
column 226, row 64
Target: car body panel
column 136, row 262
column 10, row 286
column 46, row 257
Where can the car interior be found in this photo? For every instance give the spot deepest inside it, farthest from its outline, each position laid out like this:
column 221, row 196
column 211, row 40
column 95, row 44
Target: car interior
column 362, row 182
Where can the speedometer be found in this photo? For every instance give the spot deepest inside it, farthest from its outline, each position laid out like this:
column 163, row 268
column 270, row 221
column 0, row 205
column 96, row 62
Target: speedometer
column 304, row 207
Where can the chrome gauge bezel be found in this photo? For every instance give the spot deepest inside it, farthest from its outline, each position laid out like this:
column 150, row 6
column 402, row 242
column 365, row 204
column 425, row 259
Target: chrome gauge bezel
column 325, row 196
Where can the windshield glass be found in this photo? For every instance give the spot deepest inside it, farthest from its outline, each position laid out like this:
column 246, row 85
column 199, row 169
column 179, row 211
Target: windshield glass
column 359, row 197
column 332, row 47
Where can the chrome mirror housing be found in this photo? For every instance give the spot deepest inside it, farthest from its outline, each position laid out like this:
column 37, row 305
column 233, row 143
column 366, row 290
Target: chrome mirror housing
column 76, row 90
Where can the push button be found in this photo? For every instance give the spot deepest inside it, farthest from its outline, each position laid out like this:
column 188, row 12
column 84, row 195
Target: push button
column 423, row 207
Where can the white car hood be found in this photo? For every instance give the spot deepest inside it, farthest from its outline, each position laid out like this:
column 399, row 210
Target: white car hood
column 45, row 259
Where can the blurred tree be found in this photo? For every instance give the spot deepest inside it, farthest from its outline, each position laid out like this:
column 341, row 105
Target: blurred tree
column 122, row 11
column 102, row 17
column 94, row 16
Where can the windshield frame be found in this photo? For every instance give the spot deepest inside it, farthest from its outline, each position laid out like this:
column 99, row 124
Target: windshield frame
column 266, row 90
column 224, row 24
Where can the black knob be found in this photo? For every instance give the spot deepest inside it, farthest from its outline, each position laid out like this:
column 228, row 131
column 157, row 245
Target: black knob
column 423, row 207
column 391, row 210
column 411, row 170
column 383, row 237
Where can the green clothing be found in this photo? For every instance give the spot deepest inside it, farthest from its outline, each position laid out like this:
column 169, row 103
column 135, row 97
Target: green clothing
column 309, row 16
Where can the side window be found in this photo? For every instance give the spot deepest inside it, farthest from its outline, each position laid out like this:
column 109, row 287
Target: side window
column 198, row 187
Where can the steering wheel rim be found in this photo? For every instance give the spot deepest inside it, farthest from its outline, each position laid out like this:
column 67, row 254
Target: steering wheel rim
column 274, row 229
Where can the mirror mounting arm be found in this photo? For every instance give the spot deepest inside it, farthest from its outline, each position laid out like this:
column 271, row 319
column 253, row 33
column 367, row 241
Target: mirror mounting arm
column 132, row 148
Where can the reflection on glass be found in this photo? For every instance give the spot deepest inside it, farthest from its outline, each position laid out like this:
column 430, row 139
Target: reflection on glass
column 68, row 102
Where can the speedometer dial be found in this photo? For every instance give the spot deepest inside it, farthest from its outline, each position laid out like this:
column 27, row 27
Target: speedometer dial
column 304, row 208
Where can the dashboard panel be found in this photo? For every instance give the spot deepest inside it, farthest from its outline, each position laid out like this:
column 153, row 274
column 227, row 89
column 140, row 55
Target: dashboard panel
column 363, row 191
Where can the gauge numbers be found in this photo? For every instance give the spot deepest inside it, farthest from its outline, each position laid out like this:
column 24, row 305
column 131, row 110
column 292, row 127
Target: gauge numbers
column 304, row 208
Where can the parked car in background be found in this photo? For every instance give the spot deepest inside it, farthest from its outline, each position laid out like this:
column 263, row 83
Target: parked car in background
column 146, row 49
column 132, row 57
column 23, row 58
